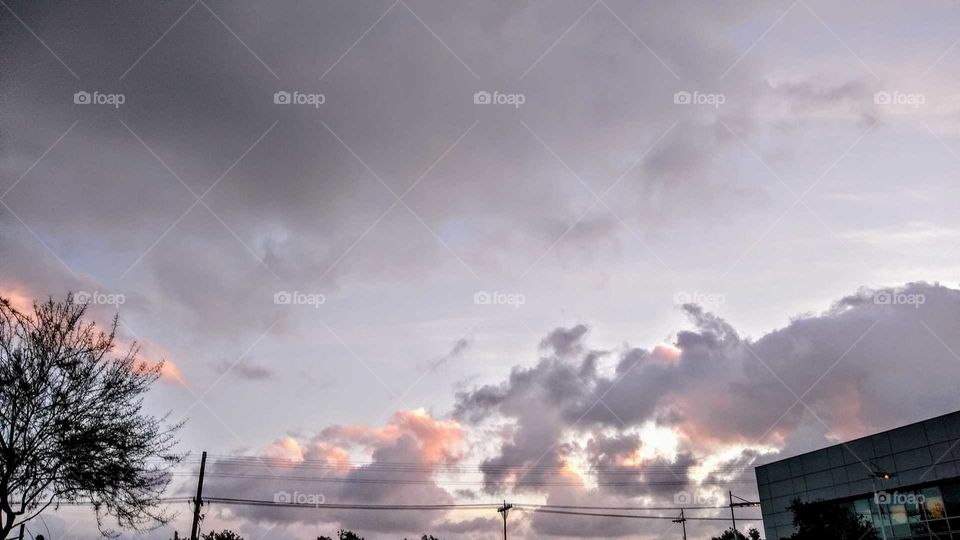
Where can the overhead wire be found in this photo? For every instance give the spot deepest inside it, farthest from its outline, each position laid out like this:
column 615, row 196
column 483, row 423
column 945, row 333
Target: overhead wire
column 547, row 509
column 228, row 461
column 226, row 466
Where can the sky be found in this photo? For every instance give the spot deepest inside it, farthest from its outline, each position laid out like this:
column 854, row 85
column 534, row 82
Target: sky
column 569, row 252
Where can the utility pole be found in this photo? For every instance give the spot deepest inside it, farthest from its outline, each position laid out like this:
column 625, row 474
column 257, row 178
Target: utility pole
column 504, row 510
column 683, row 523
column 733, row 517
column 23, row 532
column 741, row 503
column 878, row 474
column 198, row 502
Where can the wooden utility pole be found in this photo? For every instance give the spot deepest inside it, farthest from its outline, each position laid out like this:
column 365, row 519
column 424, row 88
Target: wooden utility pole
column 683, row 523
column 504, row 510
column 741, row 502
column 733, row 516
column 198, row 502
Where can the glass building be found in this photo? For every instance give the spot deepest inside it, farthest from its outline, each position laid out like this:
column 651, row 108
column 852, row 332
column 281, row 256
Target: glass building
column 905, row 481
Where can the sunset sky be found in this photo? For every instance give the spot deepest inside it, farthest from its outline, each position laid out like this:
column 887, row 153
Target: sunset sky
column 579, row 252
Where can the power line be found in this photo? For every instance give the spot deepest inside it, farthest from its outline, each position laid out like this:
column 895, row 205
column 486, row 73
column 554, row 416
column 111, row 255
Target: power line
column 480, row 467
column 632, row 516
column 549, row 509
column 529, row 506
column 442, row 482
column 568, row 507
column 349, row 506
column 432, row 470
column 226, row 458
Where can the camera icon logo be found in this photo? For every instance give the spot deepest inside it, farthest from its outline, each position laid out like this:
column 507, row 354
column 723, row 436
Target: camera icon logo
column 882, row 98
column 883, row 298
column 482, row 298
column 282, row 298
column 682, row 498
column 281, row 97
column 883, row 497
column 81, row 98
column 682, row 98
column 282, row 497
column 482, row 98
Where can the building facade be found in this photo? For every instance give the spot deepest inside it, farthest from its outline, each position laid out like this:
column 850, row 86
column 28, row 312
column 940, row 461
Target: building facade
column 905, row 481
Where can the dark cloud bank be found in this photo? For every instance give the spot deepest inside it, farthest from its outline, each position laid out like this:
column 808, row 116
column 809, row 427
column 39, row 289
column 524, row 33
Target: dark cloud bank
column 285, row 215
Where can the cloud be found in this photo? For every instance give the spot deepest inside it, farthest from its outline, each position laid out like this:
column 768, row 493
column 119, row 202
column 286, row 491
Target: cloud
column 19, row 299
column 454, row 353
column 874, row 360
column 399, row 100
column 243, row 370
column 411, row 437
column 801, row 99
column 151, row 355
column 686, row 420
column 564, row 341
column 22, row 300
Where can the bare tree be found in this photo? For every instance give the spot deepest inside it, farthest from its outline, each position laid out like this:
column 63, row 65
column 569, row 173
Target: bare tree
column 72, row 425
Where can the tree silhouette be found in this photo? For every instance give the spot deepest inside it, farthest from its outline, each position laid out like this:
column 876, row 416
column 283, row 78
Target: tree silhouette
column 343, row 534
column 72, row 426
column 730, row 534
column 819, row 519
column 222, row 535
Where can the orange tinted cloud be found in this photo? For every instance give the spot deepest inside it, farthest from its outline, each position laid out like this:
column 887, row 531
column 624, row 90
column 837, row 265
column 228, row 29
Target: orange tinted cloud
column 331, row 453
column 286, row 448
column 169, row 372
column 19, row 297
column 439, row 440
column 667, row 352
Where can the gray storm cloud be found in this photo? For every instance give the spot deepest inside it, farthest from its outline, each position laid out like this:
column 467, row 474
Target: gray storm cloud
column 729, row 388
column 307, row 189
